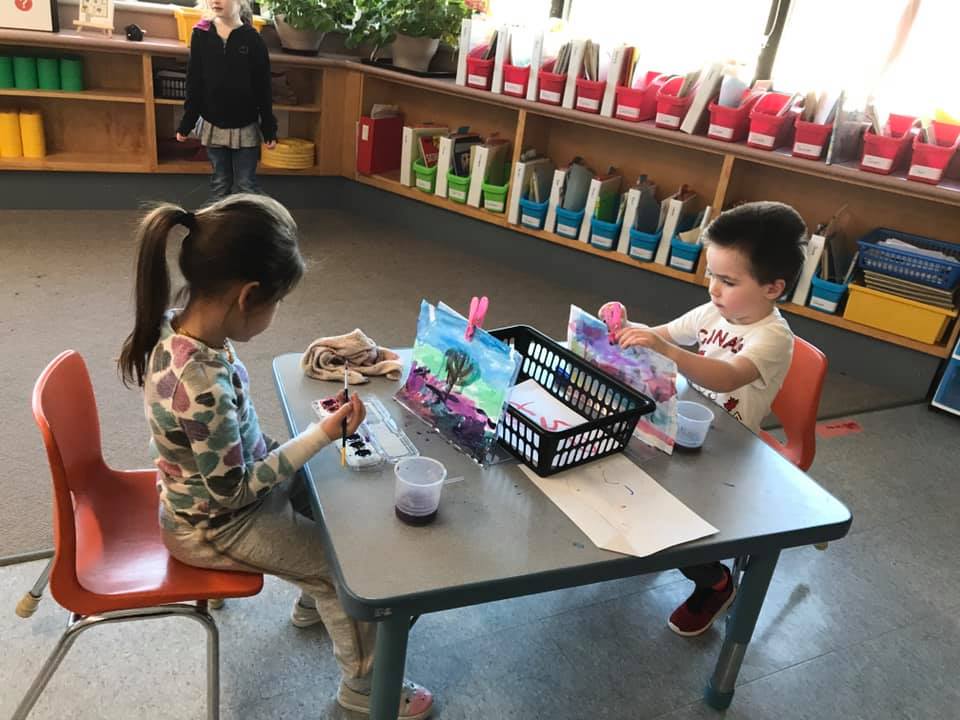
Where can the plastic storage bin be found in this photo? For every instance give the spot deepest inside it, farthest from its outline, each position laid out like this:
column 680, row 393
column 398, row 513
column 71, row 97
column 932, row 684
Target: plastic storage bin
column 533, row 214
column 947, row 396
column 48, row 73
column 611, row 408
column 568, row 223
column 6, row 72
column 71, row 74
column 425, row 178
column 768, row 130
column 495, row 197
column 684, row 255
column 811, row 139
column 897, row 315
column 479, row 73
column 826, row 296
column 909, row 265
column 589, row 95
column 457, row 187
column 550, row 85
column 637, row 104
column 672, row 109
column 643, row 246
column 515, row 80
column 930, row 160
column 25, row 73
column 731, row 124
column 883, row 154
column 604, row 235
column 11, row 145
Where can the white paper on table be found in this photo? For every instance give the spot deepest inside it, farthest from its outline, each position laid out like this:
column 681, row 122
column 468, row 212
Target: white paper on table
column 535, row 402
column 621, row 508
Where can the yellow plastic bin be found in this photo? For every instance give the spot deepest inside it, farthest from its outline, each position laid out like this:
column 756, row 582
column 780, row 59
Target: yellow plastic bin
column 31, row 134
column 897, row 315
column 10, row 144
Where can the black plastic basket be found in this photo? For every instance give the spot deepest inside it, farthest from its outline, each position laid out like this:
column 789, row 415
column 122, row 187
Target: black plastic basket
column 611, row 408
column 170, row 84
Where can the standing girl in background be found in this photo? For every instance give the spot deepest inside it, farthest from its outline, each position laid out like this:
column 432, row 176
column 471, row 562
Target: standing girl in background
column 228, row 90
column 229, row 495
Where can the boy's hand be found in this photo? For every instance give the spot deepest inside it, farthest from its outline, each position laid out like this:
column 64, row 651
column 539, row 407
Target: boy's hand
column 642, row 337
column 353, row 412
column 271, row 144
column 181, row 137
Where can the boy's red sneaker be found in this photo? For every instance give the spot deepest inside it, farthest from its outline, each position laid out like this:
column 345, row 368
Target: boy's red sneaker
column 702, row 609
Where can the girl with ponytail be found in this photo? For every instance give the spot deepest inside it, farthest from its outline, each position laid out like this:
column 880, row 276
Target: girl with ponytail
column 228, row 496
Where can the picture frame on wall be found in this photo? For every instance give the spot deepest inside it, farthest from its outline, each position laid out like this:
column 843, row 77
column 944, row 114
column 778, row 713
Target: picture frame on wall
column 30, row 15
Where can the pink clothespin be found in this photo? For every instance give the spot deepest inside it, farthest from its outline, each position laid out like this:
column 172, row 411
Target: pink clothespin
column 478, row 311
column 612, row 315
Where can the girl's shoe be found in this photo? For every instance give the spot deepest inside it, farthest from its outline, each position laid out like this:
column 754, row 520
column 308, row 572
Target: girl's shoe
column 702, row 609
column 416, row 702
column 303, row 616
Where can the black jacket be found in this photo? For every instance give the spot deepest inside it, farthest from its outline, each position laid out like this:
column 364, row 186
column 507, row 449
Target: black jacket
column 228, row 84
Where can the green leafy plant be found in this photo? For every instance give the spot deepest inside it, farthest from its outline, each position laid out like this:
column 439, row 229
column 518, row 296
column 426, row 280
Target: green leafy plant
column 378, row 22
column 319, row 15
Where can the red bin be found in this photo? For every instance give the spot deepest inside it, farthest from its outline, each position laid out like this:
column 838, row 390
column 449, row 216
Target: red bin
column 768, row 130
column 811, row 139
column 931, row 160
column 515, row 80
column 589, row 95
column 672, row 109
column 636, row 104
column 479, row 71
column 883, row 154
column 551, row 85
column 731, row 124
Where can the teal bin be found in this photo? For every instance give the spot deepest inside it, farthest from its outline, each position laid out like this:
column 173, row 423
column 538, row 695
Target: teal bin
column 424, row 178
column 684, row 255
column 48, row 73
column 6, row 72
column 826, row 296
column 533, row 214
column 604, row 235
column 643, row 246
column 568, row 223
column 495, row 197
column 458, row 187
column 71, row 74
column 25, row 73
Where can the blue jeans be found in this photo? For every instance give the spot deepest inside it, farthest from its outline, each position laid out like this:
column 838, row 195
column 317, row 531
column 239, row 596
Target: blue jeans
column 233, row 169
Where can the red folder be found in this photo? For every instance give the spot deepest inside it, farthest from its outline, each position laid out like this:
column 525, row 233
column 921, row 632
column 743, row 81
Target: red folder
column 379, row 144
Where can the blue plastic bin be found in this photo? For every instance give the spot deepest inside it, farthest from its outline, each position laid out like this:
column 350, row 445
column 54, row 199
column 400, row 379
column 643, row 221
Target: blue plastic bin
column 643, row 246
column 532, row 214
column 568, row 223
column 909, row 265
column 826, row 296
column 684, row 255
column 604, row 235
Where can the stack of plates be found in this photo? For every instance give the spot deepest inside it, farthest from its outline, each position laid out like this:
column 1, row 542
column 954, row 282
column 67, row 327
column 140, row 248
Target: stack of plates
column 290, row 154
column 910, row 290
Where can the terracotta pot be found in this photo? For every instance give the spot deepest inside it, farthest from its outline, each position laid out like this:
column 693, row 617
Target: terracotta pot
column 414, row 53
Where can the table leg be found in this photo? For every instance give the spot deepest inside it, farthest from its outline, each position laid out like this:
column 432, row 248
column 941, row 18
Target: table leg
column 739, row 630
column 388, row 662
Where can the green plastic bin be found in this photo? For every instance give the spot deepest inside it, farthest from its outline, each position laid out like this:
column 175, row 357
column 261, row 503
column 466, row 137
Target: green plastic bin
column 48, row 73
column 25, row 73
column 458, row 187
column 495, row 197
column 71, row 74
column 424, row 178
column 6, row 72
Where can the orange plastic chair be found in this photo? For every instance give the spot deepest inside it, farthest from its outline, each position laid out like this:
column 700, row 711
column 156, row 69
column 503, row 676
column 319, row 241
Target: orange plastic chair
column 796, row 405
column 110, row 564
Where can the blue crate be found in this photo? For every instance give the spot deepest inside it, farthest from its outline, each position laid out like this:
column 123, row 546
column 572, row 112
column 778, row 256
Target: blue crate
column 684, row 255
column 909, row 265
column 568, row 223
column 532, row 214
column 604, row 235
column 643, row 246
column 826, row 296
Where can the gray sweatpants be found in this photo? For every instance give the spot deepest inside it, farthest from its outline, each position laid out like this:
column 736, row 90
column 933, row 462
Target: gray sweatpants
column 279, row 538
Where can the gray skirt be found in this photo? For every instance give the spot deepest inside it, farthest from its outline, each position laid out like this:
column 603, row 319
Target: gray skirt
column 233, row 138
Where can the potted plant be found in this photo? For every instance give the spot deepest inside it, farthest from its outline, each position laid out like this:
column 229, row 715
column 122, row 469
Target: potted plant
column 415, row 27
column 302, row 24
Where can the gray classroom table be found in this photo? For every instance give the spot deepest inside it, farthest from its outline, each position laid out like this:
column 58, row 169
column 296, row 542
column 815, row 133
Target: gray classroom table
column 491, row 542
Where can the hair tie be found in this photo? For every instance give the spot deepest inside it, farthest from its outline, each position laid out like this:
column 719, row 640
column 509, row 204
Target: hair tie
column 187, row 219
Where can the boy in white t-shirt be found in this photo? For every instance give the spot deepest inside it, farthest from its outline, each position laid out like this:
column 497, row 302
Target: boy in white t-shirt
column 743, row 348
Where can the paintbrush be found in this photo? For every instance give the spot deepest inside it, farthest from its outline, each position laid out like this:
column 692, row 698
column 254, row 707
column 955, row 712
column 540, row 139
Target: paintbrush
column 343, row 425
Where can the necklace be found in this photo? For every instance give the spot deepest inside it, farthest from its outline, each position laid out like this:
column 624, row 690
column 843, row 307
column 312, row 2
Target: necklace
column 177, row 328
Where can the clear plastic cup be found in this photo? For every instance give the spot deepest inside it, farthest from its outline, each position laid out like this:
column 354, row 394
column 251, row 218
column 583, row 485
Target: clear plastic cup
column 417, row 490
column 693, row 422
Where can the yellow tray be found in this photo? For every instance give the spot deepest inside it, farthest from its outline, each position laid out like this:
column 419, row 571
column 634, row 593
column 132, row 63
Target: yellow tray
column 897, row 315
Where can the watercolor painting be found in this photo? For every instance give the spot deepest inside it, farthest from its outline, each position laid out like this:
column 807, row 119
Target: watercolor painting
column 644, row 370
column 458, row 386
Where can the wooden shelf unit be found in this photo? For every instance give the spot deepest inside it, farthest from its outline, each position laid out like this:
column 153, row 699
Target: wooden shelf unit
column 114, row 127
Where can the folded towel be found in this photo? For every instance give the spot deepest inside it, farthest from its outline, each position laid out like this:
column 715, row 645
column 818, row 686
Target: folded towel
column 326, row 357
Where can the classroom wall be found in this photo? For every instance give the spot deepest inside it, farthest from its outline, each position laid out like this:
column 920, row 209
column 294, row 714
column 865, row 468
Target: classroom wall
column 586, row 276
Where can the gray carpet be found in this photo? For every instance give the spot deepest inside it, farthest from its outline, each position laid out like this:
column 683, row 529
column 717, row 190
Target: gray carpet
column 66, row 283
column 867, row 630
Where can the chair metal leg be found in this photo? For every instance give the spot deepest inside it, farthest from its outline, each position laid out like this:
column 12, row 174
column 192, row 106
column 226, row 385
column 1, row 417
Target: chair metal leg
column 78, row 623
column 215, row 603
column 739, row 565
column 29, row 602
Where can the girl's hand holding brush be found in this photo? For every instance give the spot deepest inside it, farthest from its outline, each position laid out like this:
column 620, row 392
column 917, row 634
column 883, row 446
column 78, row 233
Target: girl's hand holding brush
column 352, row 413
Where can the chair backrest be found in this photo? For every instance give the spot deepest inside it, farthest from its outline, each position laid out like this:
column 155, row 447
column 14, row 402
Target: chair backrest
column 797, row 403
column 65, row 410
